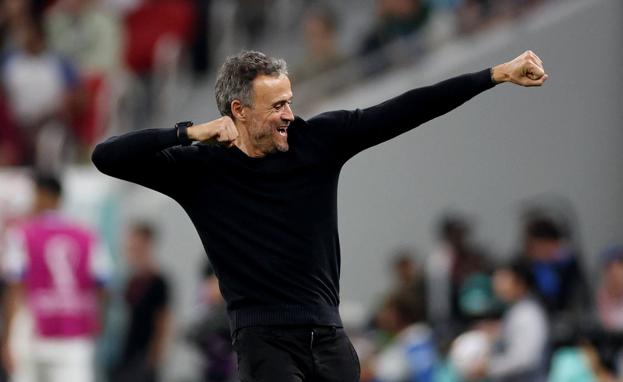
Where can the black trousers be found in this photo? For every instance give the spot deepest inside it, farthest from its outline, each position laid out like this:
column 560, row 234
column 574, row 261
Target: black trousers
column 295, row 354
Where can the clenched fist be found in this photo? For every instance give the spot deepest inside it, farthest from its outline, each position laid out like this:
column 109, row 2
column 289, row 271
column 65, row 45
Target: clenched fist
column 525, row 70
column 222, row 131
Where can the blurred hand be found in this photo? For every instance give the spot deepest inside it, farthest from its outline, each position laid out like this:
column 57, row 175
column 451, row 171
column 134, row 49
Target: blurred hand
column 222, row 131
column 525, row 70
column 478, row 372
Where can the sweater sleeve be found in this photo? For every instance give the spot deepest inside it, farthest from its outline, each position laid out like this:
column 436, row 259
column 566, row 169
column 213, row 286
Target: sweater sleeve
column 147, row 157
column 354, row 131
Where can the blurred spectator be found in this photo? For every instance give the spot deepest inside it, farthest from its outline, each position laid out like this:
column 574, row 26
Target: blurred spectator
column 410, row 354
column 60, row 269
column 85, row 32
column 409, row 281
column 473, row 15
column 322, row 52
column 211, row 335
column 201, row 45
column 521, row 348
column 610, row 291
column 147, row 297
column 91, row 37
column 10, row 144
column 395, row 19
column 559, row 280
column 41, row 90
column 457, row 275
column 156, row 34
column 590, row 360
column 250, row 20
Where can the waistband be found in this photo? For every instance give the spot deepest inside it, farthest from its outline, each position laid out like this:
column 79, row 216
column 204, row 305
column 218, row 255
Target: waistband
column 288, row 315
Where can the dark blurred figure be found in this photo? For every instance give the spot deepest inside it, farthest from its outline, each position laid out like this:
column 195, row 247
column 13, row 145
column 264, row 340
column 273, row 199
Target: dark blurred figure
column 410, row 281
column 58, row 270
column 409, row 355
column 211, row 333
column 200, row 45
column 41, row 92
column 472, row 15
column 609, row 300
column 458, row 279
column 322, row 52
column 10, row 143
column 559, row 280
column 395, row 19
column 520, row 350
column 147, row 297
column 250, row 20
column 610, row 291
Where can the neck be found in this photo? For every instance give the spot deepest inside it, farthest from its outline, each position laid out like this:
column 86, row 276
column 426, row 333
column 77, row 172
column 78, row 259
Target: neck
column 244, row 142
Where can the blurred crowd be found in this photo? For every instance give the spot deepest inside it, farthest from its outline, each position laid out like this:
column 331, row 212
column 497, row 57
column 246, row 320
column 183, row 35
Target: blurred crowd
column 75, row 71
column 459, row 313
column 463, row 313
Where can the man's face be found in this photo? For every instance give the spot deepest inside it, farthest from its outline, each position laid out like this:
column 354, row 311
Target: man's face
column 270, row 114
column 138, row 250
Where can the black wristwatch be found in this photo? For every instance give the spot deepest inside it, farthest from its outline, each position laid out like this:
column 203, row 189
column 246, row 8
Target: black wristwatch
column 182, row 133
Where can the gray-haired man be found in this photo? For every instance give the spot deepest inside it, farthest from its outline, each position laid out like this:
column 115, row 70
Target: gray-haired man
column 264, row 202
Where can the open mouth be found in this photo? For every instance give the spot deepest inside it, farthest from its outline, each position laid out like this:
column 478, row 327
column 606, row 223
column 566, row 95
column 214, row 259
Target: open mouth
column 283, row 131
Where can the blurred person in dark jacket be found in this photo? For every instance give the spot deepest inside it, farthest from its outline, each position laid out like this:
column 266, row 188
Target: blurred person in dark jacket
column 147, row 297
column 610, row 292
column 559, row 279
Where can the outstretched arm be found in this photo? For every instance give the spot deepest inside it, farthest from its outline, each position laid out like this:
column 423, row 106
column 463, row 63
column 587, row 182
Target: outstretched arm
column 365, row 128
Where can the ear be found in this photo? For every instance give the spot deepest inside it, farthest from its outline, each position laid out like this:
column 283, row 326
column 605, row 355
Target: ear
column 238, row 110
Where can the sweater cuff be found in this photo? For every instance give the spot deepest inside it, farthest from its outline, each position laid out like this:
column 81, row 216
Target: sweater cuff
column 486, row 76
column 168, row 138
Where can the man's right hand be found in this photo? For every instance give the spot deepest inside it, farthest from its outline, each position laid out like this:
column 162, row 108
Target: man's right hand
column 222, row 131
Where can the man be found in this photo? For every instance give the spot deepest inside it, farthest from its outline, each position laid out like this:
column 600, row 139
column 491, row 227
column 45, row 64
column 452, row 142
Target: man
column 147, row 298
column 522, row 341
column 558, row 276
column 60, row 268
column 264, row 201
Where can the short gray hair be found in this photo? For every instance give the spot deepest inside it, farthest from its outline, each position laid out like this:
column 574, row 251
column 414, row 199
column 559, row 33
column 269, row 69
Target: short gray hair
column 235, row 77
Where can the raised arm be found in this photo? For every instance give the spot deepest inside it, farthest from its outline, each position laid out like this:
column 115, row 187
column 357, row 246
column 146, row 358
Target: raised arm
column 153, row 157
column 144, row 157
column 365, row 128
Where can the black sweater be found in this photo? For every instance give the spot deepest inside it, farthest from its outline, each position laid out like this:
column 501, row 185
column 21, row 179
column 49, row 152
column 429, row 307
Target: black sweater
column 269, row 225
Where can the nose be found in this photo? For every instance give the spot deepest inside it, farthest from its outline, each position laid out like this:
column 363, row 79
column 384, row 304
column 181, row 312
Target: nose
column 287, row 114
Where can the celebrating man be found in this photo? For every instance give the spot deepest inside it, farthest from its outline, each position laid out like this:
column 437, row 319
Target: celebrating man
column 264, row 201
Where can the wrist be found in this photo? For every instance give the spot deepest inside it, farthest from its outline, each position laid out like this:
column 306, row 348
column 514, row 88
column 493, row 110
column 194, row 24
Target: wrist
column 192, row 133
column 183, row 137
column 499, row 75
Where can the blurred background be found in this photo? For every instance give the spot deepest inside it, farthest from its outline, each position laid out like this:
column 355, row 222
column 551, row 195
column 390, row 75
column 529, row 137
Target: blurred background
column 482, row 246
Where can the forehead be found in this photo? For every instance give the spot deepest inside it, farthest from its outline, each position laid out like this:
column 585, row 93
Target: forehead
column 269, row 89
